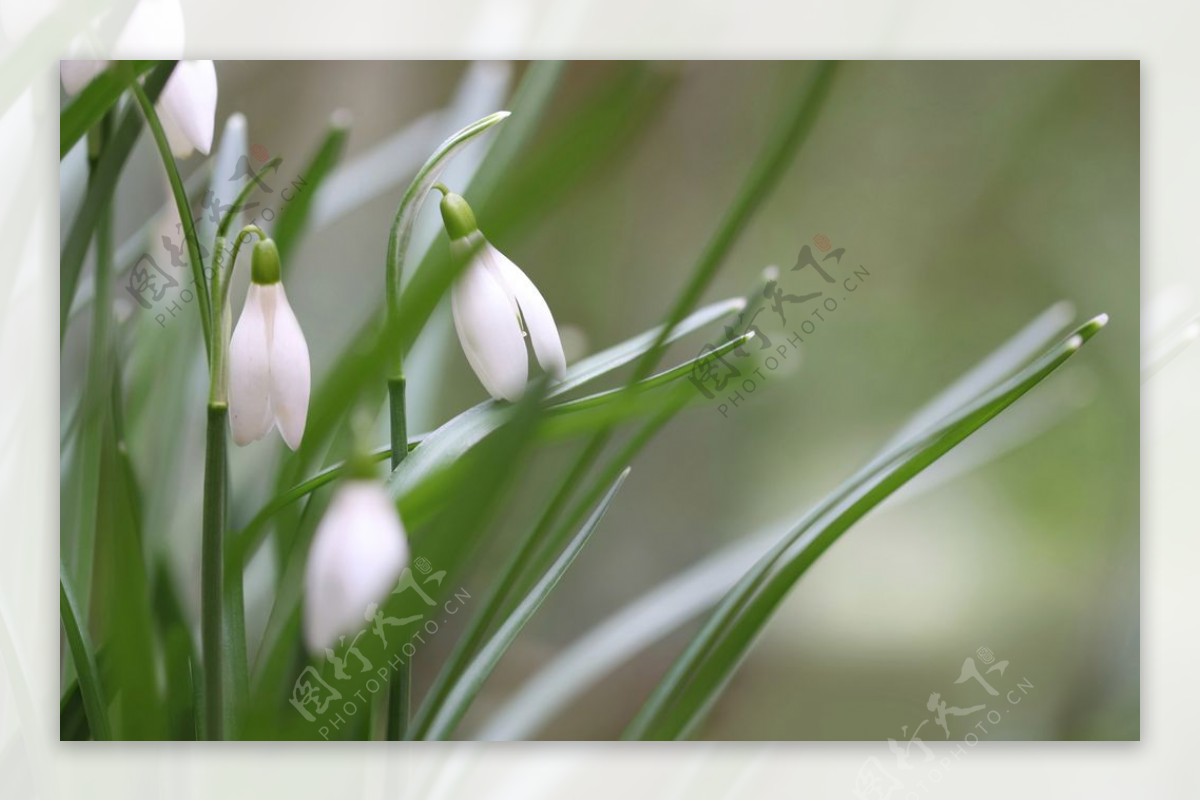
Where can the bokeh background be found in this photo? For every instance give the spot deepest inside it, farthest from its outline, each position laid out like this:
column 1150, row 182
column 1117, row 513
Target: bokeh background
column 976, row 194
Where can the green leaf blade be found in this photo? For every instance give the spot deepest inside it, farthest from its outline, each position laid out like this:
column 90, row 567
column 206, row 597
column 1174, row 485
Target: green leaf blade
column 84, row 657
column 696, row 679
column 464, row 691
column 295, row 214
column 90, row 105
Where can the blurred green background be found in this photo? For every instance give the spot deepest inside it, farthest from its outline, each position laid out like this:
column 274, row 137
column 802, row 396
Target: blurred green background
column 976, row 194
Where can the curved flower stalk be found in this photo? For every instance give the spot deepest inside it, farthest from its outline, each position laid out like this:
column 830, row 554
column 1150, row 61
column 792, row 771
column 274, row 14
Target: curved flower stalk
column 495, row 305
column 188, row 103
column 269, row 368
column 358, row 553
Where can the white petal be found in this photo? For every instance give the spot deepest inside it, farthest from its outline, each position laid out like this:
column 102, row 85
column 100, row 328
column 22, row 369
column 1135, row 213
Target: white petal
column 181, row 146
column 539, row 322
column 154, row 30
column 290, row 370
column 78, row 74
column 358, row 553
column 188, row 106
column 490, row 333
column 249, row 370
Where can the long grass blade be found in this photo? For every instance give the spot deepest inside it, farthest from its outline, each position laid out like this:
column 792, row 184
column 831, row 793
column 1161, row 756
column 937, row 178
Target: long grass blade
column 793, row 129
column 530, row 555
column 295, row 215
column 652, row 617
column 460, row 696
column 89, row 107
column 691, row 686
column 84, row 657
column 446, row 444
column 100, row 192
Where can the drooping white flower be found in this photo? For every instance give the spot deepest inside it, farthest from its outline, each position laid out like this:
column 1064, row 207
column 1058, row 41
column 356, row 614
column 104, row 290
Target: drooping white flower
column 269, row 369
column 494, row 305
column 188, row 103
column 187, row 107
column 357, row 555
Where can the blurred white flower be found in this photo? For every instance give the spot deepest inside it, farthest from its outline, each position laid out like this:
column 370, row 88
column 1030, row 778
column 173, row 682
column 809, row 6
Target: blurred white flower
column 494, row 305
column 357, row 555
column 269, row 369
column 187, row 106
column 188, row 102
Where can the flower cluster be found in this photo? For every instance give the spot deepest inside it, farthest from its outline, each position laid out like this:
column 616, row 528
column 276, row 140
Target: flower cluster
column 360, row 548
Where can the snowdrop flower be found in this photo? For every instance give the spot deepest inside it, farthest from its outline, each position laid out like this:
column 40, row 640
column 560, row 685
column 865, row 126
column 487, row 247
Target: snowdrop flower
column 357, row 555
column 494, row 306
column 269, row 370
column 186, row 107
column 188, row 103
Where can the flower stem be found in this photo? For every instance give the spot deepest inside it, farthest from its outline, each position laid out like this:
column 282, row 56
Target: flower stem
column 212, row 570
column 195, row 257
column 399, row 693
column 397, row 250
column 399, row 421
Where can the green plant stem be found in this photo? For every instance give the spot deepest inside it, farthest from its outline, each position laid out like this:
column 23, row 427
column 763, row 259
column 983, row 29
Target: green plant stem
column 185, row 213
column 223, row 603
column 212, row 570
column 763, row 177
column 236, row 687
column 397, row 250
column 400, row 689
column 398, row 702
column 401, row 684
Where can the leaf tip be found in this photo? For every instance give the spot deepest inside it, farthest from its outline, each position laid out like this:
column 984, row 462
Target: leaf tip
column 1092, row 326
